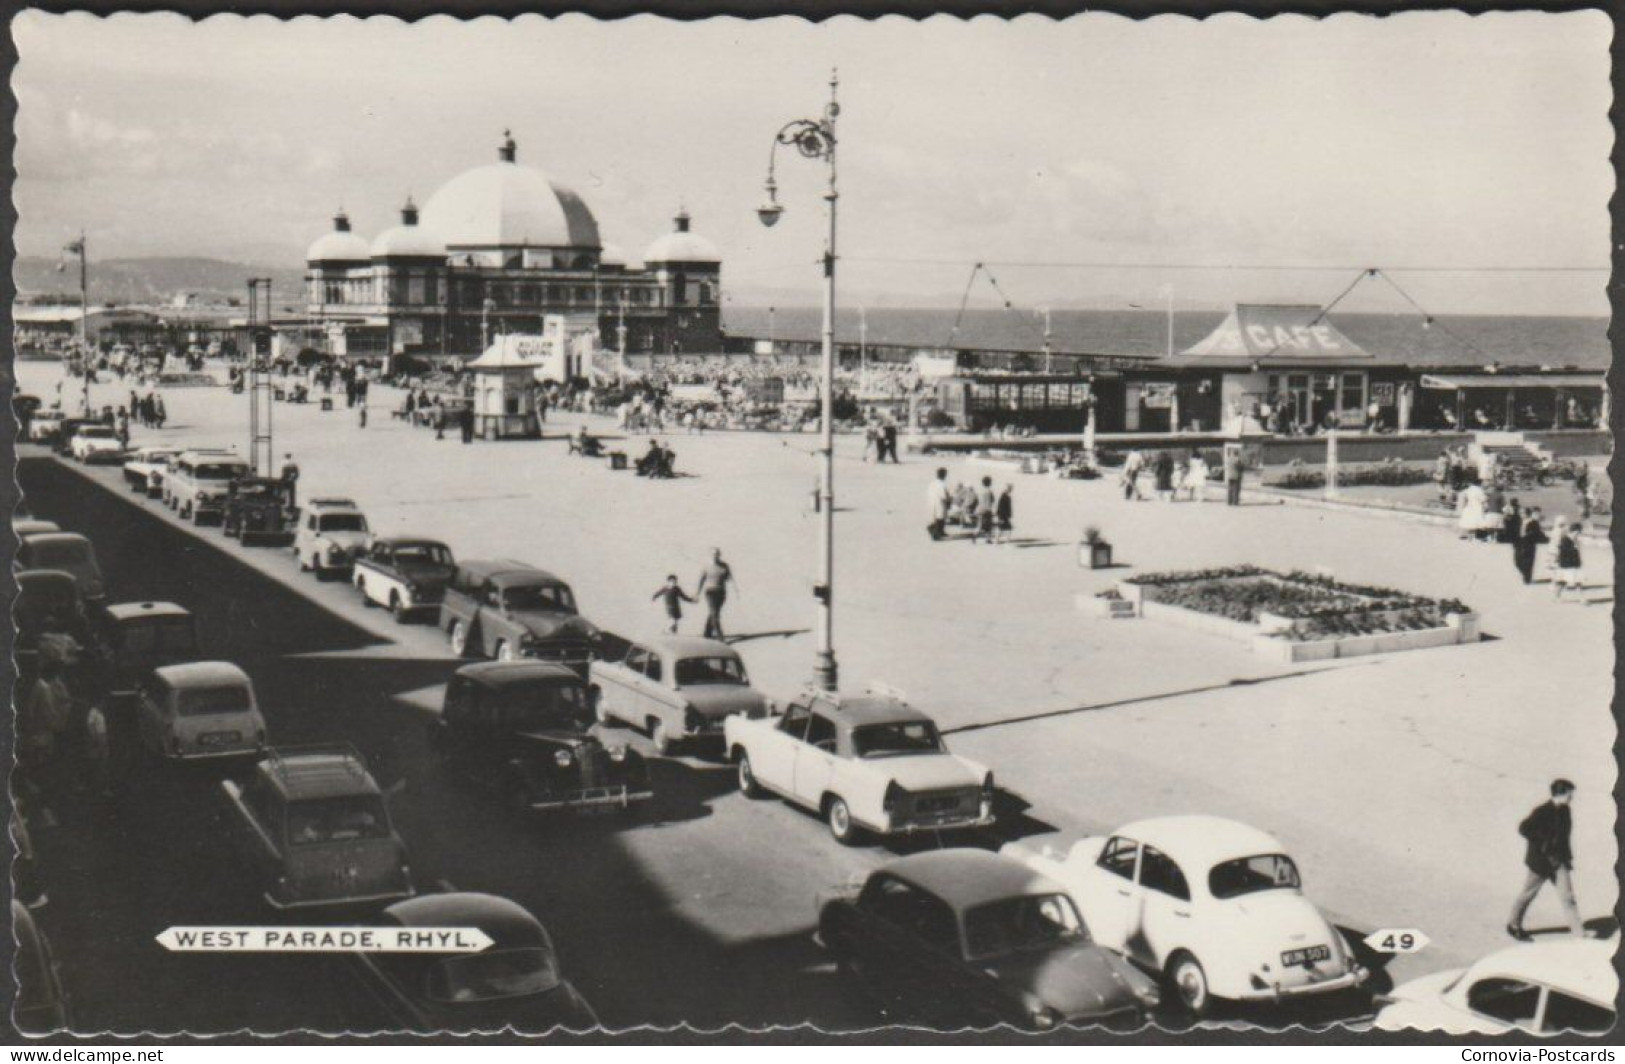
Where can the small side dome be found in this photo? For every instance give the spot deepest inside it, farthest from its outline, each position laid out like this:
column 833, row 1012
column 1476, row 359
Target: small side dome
column 340, row 245
column 409, row 239
column 681, row 245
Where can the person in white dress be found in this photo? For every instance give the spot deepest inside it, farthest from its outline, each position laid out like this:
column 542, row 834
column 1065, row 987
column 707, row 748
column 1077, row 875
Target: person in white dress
column 1470, row 505
column 1196, row 477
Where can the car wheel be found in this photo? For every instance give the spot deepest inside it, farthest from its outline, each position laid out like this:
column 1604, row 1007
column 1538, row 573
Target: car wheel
column 1189, row 983
column 660, row 735
column 839, row 819
column 747, row 778
column 504, row 650
column 459, row 639
column 304, row 567
column 396, row 608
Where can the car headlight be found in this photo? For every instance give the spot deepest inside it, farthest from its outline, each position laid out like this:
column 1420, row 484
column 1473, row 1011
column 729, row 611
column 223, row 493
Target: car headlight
column 692, row 721
column 562, row 758
column 1044, row 1018
column 617, row 753
column 334, row 551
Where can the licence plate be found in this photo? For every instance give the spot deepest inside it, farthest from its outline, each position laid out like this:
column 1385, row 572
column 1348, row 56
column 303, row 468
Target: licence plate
column 938, row 804
column 219, row 738
column 1307, row 955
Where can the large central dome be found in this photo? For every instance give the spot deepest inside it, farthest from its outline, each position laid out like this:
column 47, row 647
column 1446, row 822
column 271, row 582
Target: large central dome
column 505, row 205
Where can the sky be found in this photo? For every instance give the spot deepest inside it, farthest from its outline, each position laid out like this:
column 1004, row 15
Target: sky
column 1066, row 155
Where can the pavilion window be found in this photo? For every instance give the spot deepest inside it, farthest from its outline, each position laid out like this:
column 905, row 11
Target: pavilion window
column 415, row 290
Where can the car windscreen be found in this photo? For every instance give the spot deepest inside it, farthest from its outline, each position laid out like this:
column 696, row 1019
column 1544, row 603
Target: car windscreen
column 532, row 707
column 217, row 471
column 1249, row 875
column 168, row 635
column 553, row 597
column 898, row 737
column 1013, row 925
column 36, row 598
column 207, row 701
column 501, row 973
column 313, row 821
column 57, row 553
column 710, row 670
column 341, row 523
column 422, row 554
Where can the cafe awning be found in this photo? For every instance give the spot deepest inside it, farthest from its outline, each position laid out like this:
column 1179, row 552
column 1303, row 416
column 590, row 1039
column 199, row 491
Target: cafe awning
column 1513, row 380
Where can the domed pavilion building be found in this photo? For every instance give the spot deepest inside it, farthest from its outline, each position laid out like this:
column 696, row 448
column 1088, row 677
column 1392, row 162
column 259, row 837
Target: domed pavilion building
column 496, row 250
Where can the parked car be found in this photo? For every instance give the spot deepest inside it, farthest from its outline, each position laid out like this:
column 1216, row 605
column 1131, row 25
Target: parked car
column 1562, row 986
column 865, row 763
column 256, row 512
column 405, row 573
column 331, row 533
column 196, row 482
column 157, row 487
column 521, row 728
column 143, row 636
column 41, row 1005
column 962, row 937
column 142, row 463
column 316, row 831
column 66, row 552
column 515, row 982
column 509, row 610
column 1214, row 906
column 201, row 710
column 41, row 595
column 68, row 428
column 678, row 687
column 96, row 443
column 45, row 426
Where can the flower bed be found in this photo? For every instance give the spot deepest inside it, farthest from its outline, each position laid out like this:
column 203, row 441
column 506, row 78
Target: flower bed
column 1297, row 606
column 1390, row 472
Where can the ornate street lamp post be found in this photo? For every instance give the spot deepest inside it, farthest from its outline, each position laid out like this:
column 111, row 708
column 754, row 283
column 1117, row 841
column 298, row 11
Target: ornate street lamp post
column 815, row 139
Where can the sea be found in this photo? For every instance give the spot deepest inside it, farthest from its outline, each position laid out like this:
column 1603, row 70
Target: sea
column 1455, row 340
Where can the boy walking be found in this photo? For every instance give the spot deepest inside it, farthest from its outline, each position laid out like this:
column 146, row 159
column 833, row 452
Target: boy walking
column 672, row 596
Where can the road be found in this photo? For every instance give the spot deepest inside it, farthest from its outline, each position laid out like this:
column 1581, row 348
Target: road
column 699, row 909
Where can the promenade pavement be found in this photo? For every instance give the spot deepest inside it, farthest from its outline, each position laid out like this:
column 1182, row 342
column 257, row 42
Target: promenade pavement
column 1397, row 781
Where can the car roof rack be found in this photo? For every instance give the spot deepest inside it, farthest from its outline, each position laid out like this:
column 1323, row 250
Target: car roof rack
column 277, row 757
column 874, row 690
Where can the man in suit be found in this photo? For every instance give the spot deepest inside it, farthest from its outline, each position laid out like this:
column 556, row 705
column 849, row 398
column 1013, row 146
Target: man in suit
column 1549, row 859
column 1531, row 535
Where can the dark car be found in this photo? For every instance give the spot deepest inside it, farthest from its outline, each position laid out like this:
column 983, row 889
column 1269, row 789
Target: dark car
column 405, row 573
column 313, row 827
column 965, row 937
column 255, row 511
column 521, row 728
column 66, row 552
column 509, row 610
column 44, row 594
column 515, row 982
column 41, row 1005
column 143, row 636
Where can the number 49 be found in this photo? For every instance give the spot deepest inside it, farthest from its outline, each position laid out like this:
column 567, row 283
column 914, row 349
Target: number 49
column 1396, row 940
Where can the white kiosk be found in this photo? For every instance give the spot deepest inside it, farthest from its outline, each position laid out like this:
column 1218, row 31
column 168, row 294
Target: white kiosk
column 509, row 376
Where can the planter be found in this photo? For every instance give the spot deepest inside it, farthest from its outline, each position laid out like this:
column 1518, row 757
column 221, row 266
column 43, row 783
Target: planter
column 1095, row 555
column 1466, row 626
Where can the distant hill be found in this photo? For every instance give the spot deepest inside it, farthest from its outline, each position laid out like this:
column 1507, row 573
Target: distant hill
column 154, row 280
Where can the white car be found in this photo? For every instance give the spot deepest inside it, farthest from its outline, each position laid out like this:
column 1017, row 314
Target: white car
column 95, row 441
column 196, row 483
column 332, row 532
column 867, row 762
column 1214, row 906
column 143, row 462
column 1567, row 985
column 44, row 425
